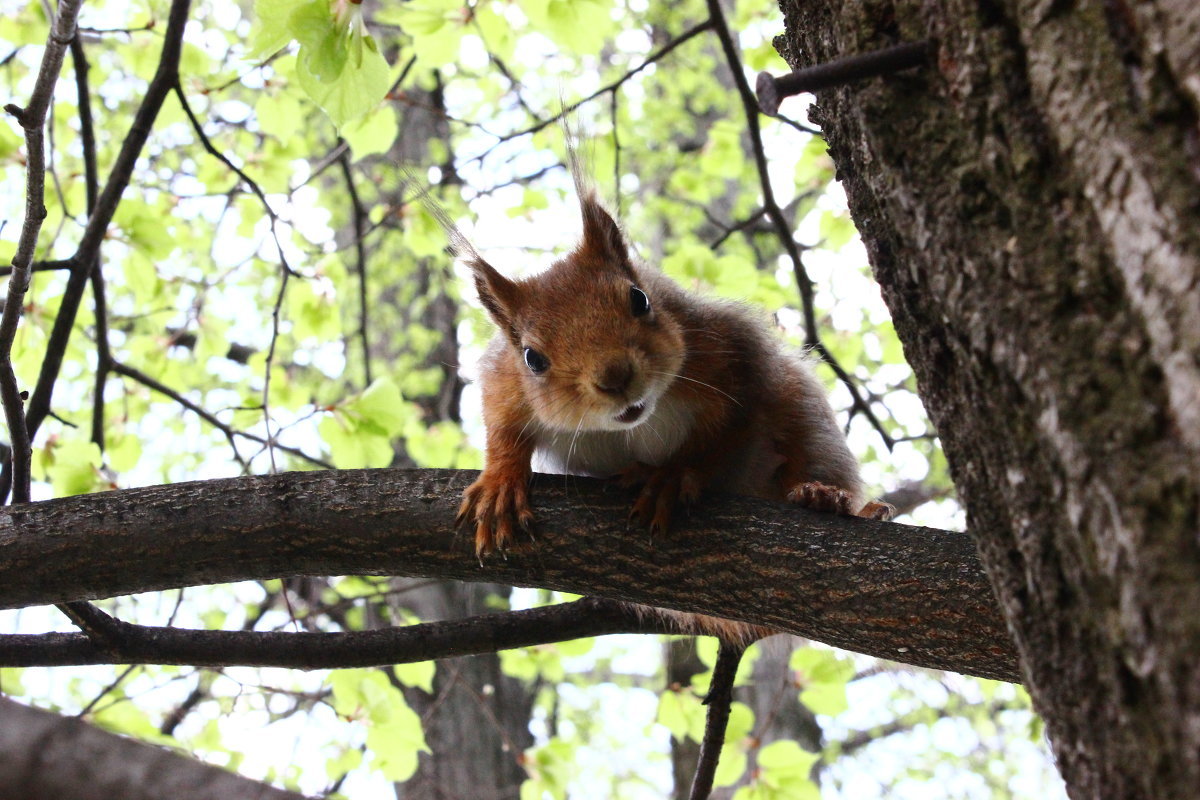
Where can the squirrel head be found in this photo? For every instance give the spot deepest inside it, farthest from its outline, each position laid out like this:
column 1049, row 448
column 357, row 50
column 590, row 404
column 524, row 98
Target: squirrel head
column 592, row 340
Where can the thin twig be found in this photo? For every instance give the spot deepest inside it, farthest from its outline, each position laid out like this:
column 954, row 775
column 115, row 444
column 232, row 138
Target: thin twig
column 654, row 57
column 33, row 120
column 87, row 136
column 97, row 227
column 782, row 228
column 270, row 360
column 719, row 699
column 359, row 219
column 43, row 266
column 211, row 149
column 230, row 433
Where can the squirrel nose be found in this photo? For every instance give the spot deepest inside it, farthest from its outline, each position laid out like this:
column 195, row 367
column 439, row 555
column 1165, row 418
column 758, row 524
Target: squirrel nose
column 615, row 377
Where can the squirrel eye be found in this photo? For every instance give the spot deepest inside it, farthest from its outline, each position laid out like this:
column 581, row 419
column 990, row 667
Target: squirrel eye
column 536, row 362
column 639, row 303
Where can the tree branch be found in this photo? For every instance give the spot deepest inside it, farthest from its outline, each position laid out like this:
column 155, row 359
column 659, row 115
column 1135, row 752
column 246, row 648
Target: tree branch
column 782, row 228
column 33, row 119
column 487, row 633
column 911, row 594
column 46, row 755
column 106, row 206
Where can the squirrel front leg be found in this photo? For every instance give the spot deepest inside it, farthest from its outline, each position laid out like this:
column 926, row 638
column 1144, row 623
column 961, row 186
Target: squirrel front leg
column 685, row 475
column 497, row 503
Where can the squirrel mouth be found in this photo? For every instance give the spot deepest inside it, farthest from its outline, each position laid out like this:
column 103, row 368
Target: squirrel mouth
column 631, row 414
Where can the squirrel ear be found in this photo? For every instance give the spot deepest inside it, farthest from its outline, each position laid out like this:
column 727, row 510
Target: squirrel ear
column 601, row 235
column 500, row 296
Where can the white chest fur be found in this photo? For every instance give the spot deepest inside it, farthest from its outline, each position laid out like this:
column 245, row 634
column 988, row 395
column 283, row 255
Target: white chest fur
column 605, row 453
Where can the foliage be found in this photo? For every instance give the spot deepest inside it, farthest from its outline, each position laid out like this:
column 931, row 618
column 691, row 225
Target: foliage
column 293, row 291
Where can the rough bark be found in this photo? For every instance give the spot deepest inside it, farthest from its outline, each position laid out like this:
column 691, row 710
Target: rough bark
column 912, row 594
column 1030, row 206
column 477, row 719
column 47, row 757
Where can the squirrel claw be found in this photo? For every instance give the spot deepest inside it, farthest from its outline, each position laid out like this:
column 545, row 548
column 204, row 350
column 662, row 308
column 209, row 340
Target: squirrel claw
column 662, row 490
column 822, row 497
column 498, row 506
column 877, row 510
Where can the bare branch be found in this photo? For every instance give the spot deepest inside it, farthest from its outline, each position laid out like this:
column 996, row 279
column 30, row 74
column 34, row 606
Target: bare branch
column 359, row 219
column 487, row 633
column 33, row 120
column 782, row 228
column 904, row 593
column 656, row 56
column 88, row 251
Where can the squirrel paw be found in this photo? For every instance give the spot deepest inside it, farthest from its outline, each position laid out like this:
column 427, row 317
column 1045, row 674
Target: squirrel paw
column 877, row 510
column 822, row 497
column 497, row 507
column 662, row 489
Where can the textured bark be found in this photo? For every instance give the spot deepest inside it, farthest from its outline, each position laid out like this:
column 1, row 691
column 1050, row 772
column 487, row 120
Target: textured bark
column 912, row 594
column 47, row 757
column 477, row 719
column 1030, row 205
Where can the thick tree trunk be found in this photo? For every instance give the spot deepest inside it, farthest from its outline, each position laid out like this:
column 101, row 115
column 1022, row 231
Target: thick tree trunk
column 47, row 757
column 1030, row 205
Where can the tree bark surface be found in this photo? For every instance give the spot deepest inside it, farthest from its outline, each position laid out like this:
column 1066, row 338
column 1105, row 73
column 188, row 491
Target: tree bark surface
column 47, row 757
column 1031, row 206
column 910, row 594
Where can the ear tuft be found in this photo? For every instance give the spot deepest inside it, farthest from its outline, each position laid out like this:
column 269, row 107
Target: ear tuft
column 500, row 296
column 602, row 236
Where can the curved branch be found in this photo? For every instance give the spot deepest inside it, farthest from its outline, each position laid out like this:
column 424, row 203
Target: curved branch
column 487, row 633
column 911, row 594
column 106, row 206
column 33, row 119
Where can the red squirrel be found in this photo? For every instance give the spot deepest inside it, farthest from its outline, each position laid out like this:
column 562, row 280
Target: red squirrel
column 603, row 366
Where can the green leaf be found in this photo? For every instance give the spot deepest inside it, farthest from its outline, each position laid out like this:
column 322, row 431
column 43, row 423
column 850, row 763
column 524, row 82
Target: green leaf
column 816, row 665
column 814, row 168
column 741, row 722
column 123, row 452
column 394, row 734
column 314, row 314
column 339, row 65
column 550, row 768
column 435, row 446
column 823, row 675
column 382, row 406
column 10, row 143
column 72, row 466
column 350, row 447
column 730, row 767
column 419, row 674
column 682, row 713
column 279, row 114
column 271, row 30
column 372, row 134
column 786, row 764
column 837, row 229
column 581, row 27
column 825, row 698
column 10, row 682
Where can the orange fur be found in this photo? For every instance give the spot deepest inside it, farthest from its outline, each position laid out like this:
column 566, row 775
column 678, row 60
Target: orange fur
column 687, row 394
